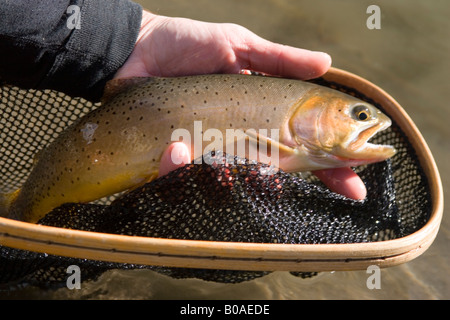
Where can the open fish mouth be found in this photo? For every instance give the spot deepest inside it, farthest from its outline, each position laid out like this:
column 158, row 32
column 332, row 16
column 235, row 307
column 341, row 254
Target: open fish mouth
column 359, row 150
column 370, row 150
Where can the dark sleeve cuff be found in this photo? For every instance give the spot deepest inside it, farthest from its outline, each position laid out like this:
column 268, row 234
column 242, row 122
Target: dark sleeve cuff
column 92, row 54
column 41, row 48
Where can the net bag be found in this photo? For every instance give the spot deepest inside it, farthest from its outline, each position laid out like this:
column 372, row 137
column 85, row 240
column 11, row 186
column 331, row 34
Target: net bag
column 221, row 222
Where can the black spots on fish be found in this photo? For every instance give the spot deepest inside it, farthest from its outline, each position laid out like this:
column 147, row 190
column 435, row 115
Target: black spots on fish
column 156, row 138
column 274, row 108
column 267, row 120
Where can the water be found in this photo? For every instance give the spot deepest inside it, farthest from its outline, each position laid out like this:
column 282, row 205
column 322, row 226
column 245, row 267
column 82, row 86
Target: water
column 407, row 57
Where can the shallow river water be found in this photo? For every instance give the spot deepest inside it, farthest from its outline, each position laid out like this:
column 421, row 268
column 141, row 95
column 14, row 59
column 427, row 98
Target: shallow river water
column 408, row 57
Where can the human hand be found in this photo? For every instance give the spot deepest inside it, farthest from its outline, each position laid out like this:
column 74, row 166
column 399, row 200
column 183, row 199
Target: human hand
column 178, row 46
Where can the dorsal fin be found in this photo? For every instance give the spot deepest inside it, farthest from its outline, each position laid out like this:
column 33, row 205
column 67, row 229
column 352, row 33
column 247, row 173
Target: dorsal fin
column 116, row 86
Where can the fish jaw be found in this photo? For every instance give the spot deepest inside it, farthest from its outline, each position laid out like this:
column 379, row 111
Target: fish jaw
column 303, row 159
column 357, row 150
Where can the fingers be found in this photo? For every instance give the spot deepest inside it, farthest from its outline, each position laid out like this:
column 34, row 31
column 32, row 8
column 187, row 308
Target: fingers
column 174, row 157
column 343, row 181
column 264, row 56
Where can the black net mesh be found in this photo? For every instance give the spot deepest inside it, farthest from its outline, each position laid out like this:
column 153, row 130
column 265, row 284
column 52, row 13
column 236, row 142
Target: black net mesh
column 206, row 202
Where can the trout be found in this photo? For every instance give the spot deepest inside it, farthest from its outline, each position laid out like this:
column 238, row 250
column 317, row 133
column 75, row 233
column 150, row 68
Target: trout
column 118, row 146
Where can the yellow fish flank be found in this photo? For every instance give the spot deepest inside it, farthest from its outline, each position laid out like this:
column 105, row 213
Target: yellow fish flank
column 119, row 145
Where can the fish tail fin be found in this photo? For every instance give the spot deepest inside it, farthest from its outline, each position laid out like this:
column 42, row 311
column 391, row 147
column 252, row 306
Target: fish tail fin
column 6, row 200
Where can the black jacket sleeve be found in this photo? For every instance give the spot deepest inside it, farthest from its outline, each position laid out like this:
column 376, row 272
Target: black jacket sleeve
column 44, row 46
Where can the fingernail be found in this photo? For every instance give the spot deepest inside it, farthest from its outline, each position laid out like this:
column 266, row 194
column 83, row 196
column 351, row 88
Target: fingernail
column 326, row 57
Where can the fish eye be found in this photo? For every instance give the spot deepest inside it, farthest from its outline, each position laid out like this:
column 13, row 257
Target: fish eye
column 361, row 113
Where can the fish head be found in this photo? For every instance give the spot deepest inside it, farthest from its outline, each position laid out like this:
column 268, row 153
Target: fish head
column 333, row 130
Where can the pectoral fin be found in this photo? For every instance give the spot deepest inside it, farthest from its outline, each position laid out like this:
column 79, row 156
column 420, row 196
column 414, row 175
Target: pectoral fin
column 270, row 150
